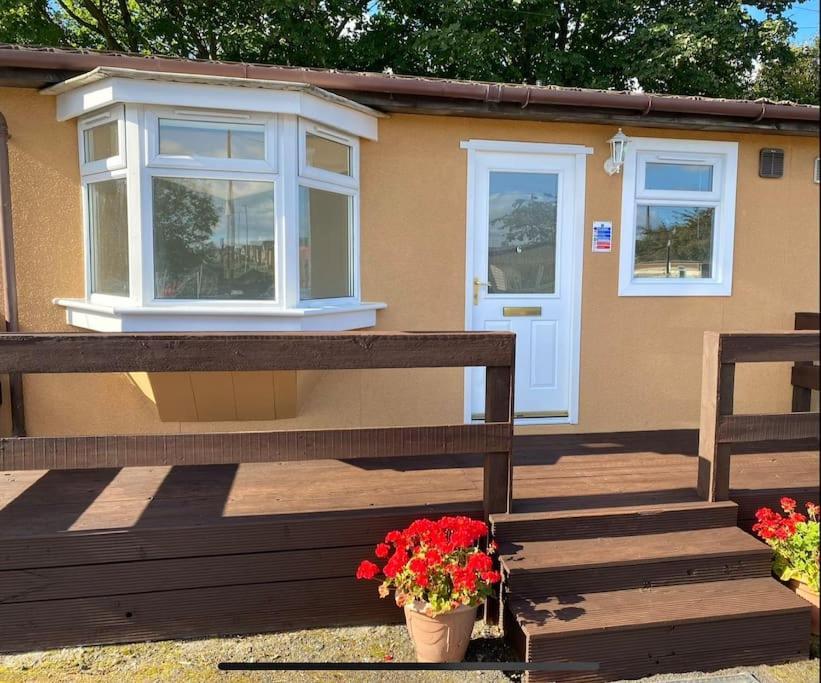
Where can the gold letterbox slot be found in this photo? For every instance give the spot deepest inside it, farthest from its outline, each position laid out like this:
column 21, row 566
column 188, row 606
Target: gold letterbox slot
column 512, row 311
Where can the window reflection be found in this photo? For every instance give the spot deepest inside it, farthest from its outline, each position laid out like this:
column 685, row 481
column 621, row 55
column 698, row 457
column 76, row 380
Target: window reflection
column 678, row 177
column 101, row 142
column 212, row 140
column 674, row 241
column 108, row 227
column 324, row 244
column 213, row 239
column 522, row 233
column 327, row 154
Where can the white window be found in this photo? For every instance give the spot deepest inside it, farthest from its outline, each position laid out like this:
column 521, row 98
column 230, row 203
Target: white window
column 678, row 218
column 209, row 219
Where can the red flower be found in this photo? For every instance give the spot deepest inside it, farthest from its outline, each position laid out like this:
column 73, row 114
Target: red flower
column 418, row 565
column 813, row 509
column 366, row 570
column 433, row 557
column 492, row 577
column 382, row 550
column 788, row 504
column 479, row 562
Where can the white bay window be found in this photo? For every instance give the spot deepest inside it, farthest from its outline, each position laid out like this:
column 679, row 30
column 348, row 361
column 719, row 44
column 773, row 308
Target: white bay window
column 678, row 218
column 217, row 219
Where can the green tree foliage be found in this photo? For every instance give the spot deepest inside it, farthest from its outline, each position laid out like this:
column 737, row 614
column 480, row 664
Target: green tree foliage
column 794, row 79
column 184, row 224
column 697, row 47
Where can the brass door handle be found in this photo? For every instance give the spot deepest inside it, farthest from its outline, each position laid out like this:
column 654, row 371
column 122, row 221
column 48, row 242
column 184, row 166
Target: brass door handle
column 476, row 284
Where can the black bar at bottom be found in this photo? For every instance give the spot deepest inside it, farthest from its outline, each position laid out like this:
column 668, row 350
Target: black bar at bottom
column 408, row 666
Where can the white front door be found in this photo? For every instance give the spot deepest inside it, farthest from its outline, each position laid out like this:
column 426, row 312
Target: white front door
column 524, row 271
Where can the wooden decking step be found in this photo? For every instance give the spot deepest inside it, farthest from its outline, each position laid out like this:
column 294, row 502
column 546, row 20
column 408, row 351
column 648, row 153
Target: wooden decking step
column 543, row 568
column 613, row 521
column 641, row 632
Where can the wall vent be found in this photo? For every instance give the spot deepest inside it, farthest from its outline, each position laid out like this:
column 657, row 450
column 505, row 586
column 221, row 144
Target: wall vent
column 816, row 173
column 771, row 163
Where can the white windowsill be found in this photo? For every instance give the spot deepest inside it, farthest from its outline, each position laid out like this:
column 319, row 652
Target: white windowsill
column 193, row 318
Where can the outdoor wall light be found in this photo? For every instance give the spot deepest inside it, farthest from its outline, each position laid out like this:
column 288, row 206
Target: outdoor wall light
column 618, row 145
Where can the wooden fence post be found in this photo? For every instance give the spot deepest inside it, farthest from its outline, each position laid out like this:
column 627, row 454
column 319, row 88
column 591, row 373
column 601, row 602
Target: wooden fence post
column 498, row 467
column 801, row 392
column 717, row 384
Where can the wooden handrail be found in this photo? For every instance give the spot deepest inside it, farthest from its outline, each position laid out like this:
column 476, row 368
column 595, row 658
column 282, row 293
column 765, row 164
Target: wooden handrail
column 719, row 427
column 67, row 353
column 92, row 353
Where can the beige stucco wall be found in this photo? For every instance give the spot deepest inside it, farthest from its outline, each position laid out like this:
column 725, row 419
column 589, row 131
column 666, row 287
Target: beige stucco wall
column 640, row 357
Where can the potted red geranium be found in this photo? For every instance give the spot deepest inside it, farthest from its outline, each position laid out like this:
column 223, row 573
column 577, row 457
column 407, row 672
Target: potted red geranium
column 440, row 576
column 794, row 538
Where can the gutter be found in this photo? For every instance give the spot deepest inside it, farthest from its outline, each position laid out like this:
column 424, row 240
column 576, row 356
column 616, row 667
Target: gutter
column 524, row 95
column 9, row 278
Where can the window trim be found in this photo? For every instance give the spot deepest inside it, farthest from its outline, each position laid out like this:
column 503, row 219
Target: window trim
column 157, row 160
column 88, row 269
column 115, row 163
column 147, row 237
column 312, row 172
column 724, row 157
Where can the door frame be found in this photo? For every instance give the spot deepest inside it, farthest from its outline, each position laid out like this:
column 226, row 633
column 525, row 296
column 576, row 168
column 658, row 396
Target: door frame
column 580, row 152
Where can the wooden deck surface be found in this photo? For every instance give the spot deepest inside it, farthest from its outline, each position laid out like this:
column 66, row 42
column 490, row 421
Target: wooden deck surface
column 112, row 555
column 551, row 473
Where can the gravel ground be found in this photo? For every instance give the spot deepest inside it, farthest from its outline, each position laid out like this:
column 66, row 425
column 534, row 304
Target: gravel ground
column 195, row 660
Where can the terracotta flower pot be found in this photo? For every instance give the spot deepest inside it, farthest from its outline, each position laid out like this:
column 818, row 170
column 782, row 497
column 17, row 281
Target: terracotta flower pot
column 803, row 590
column 443, row 638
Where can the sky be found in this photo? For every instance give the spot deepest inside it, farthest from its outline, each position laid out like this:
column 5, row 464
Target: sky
column 804, row 14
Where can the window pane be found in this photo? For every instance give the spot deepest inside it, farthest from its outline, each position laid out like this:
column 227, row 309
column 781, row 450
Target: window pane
column 674, row 241
column 101, row 142
column 108, row 227
column 328, row 155
column 324, row 244
column 212, row 140
column 680, row 177
column 522, row 233
column 213, row 239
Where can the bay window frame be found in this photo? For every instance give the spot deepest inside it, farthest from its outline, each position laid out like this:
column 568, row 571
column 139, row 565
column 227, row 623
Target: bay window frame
column 723, row 158
column 285, row 167
column 306, row 171
column 133, row 280
column 113, row 114
column 353, row 256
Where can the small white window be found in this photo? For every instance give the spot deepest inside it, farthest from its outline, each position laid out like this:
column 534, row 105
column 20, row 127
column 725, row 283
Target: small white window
column 211, row 140
column 678, row 215
column 102, row 141
column 327, row 155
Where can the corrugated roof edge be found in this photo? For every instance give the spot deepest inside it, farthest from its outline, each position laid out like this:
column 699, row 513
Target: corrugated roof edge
column 29, row 57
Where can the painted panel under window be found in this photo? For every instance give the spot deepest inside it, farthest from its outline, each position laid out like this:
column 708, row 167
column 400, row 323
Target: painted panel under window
column 324, row 244
column 674, row 241
column 213, row 239
column 108, row 232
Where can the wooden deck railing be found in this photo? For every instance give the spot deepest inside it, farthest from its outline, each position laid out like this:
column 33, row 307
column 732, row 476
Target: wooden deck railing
column 87, row 353
column 805, row 374
column 720, row 428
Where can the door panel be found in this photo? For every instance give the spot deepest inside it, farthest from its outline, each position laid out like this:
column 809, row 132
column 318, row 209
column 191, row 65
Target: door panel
column 523, row 234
